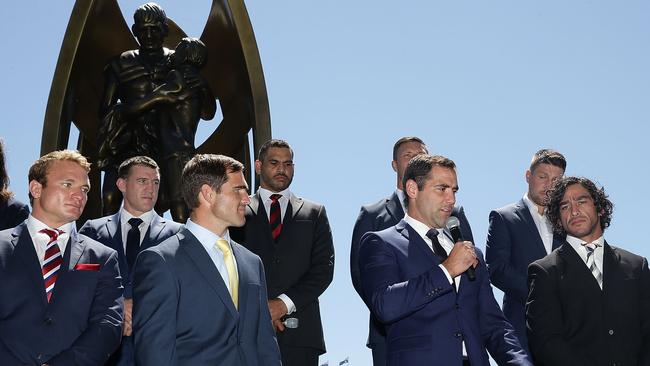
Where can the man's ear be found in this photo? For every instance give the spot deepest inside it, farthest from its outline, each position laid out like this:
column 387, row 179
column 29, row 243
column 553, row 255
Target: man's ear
column 393, row 163
column 258, row 166
column 206, row 194
column 529, row 175
column 121, row 185
column 35, row 189
column 411, row 189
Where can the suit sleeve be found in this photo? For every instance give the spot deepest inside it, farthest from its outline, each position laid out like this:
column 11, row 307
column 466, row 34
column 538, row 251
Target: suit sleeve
column 362, row 226
column 498, row 251
column 389, row 297
column 267, row 345
column 321, row 271
column 497, row 333
column 104, row 331
column 155, row 298
column 544, row 319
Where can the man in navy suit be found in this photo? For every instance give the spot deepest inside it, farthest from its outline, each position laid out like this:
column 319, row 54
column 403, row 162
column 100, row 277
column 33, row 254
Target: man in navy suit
column 414, row 279
column 199, row 297
column 519, row 234
column 382, row 215
column 135, row 227
column 589, row 301
column 61, row 293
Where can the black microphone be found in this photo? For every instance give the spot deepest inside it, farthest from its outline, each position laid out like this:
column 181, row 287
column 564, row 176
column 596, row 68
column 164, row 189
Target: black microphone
column 454, row 228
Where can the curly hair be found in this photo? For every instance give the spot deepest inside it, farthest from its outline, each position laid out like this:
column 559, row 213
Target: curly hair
column 604, row 206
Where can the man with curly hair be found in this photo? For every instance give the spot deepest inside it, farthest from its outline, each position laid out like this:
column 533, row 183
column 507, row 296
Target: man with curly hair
column 588, row 301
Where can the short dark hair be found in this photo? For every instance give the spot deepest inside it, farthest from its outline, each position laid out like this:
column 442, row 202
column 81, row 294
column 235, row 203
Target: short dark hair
column 5, row 193
column 420, row 166
column 150, row 13
column 38, row 171
column 196, row 53
column 405, row 140
column 548, row 156
column 210, row 169
column 273, row 143
column 125, row 168
column 604, row 206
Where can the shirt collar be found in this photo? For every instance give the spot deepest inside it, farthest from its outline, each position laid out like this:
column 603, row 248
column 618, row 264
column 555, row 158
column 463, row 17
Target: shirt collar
column 206, row 237
column 265, row 194
column 532, row 207
column 125, row 216
column 420, row 227
column 35, row 225
column 577, row 243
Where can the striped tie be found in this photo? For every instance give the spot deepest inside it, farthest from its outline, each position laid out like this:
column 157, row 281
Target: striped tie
column 275, row 217
column 233, row 281
column 591, row 263
column 52, row 261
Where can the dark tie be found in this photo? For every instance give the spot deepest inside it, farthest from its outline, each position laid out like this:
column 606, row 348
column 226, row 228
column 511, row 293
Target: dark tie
column 275, row 216
column 440, row 251
column 52, row 261
column 133, row 241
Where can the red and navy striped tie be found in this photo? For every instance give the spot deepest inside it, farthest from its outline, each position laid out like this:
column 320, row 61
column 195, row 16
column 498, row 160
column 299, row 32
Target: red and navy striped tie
column 275, row 217
column 52, row 261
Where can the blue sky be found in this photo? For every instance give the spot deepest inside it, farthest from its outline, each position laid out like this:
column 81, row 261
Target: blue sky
column 484, row 83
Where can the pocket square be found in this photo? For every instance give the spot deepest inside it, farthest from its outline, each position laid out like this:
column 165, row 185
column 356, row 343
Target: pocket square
column 86, row 267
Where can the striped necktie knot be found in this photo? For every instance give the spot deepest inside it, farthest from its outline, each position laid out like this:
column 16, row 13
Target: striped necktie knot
column 52, row 261
column 275, row 216
column 591, row 262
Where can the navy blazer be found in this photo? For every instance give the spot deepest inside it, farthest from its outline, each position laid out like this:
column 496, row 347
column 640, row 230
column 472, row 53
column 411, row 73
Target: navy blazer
column 513, row 242
column 376, row 217
column 12, row 213
column 571, row 321
column 184, row 315
column 426, row 320
column 107, row 230
column 82, row 324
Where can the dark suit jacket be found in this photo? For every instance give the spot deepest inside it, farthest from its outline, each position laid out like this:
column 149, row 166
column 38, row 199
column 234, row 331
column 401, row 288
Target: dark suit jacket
column 82, row 324
column 572, row 322
column 12, row 213
column 107, row 230
column 376, row 217
column 184, row 315
column 426, row 320
column 300, row 264
column 513, row 242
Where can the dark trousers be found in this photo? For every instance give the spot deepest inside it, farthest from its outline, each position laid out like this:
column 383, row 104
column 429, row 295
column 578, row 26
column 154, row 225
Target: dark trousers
column 378, row 354
column 299, row 356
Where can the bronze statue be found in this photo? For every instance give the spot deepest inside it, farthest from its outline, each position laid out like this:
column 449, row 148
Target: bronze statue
column 141, row 92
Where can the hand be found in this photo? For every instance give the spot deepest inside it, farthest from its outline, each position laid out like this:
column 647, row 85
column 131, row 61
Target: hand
column 278, row 326
column 127, row 326
column 462, row 256
column 278, row 309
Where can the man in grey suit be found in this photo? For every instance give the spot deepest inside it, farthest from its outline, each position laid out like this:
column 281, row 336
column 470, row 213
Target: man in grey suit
column 135, row 227
column 589, row 301
column 199, row 297
column 519, row 234
column 381, row 215
column 292, row 236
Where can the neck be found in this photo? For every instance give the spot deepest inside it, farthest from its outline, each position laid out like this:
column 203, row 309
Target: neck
column 208, row 222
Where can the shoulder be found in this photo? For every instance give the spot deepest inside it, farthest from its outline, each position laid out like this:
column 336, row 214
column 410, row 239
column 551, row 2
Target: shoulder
column 95, row 223
column 171, row 225
column 16, row 205
column 508, row 209
column 552, row 260
column 377, row 206
column 628, row 258
column 99, row 249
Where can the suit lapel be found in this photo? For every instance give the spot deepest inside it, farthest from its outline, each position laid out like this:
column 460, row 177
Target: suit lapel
column 577, row 271
column 257, row 208
column 115, row 233
column 24, row 249
column 206, row 268
column 611, row 260
column 416, row 242
column 75, row 248
column 151, row 236
column 394, row 207
column 243, row 274
column 524, row 213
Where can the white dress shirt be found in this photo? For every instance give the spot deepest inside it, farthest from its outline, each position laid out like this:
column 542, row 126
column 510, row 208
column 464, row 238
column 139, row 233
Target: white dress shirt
column 40, row 240
column 209, row 240
column 579, row 246
column 265, row 195
column 125, row 216
column 544, row 227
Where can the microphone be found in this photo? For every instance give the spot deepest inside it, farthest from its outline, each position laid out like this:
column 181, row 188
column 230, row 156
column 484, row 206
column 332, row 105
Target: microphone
column 291, row 323
column 454, row 228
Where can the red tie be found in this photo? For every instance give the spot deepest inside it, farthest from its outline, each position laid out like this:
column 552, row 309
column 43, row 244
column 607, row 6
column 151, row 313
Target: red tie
column 52, row 261
column 275, row 217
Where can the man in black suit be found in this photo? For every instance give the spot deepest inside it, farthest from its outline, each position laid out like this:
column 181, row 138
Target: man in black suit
column 589, row 302
column 519, row 234
column 135, row 227
column 382, row 215
column 293, row 237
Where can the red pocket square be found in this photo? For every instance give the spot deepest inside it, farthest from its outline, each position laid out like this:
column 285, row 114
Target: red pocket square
column 86, row 267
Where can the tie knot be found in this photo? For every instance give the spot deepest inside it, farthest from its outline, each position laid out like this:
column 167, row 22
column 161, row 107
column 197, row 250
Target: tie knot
column 591, row 246
column 432, row 234
column 135, row 222
column 275, row 197
column 52, row 233
column 223, row 246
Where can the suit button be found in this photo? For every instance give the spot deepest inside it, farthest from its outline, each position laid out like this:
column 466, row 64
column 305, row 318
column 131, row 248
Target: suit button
column 458, row 335
column 48, row 321
column 40, row 356
column 457, row 307
column 276, row 261
column 611, row 332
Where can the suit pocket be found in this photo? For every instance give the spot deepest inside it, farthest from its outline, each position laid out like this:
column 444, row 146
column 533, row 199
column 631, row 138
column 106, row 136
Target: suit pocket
column 401, row 344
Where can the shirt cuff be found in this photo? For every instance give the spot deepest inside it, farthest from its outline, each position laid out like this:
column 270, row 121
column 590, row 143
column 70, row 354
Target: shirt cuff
column 451, row 280
column 291, row 307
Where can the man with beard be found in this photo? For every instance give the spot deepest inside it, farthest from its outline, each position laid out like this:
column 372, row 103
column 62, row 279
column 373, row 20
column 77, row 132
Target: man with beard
column 519, row 234
column 293, row 237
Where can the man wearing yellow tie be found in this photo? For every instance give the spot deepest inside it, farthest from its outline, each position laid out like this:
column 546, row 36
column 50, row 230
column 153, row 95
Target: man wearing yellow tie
column 200, row 298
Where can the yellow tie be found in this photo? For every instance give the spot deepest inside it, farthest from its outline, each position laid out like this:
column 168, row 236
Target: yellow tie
column 223, row 246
